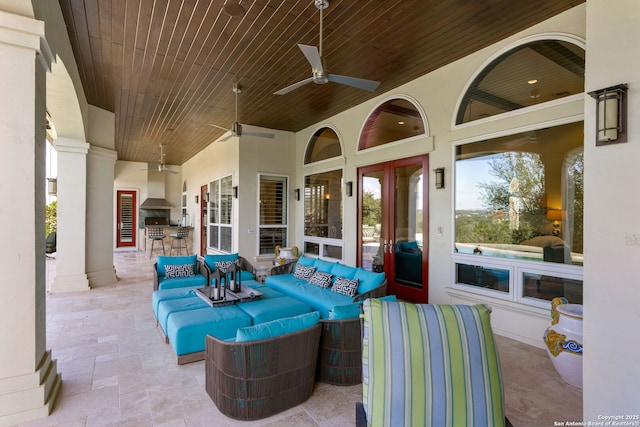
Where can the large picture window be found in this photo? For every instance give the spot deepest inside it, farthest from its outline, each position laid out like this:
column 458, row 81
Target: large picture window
column 221, row 214
column 519, row 201
column 323, row 214
column 273, row 213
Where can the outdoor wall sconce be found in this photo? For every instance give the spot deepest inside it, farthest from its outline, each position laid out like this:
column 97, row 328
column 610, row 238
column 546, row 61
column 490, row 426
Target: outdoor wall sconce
column 52, row 186
column 297, row 194
column 349, row 188
column 439, row 178
column 205, row 197
column 235, row 192
column 556, row 215
column 195, row 198
column 611, row 114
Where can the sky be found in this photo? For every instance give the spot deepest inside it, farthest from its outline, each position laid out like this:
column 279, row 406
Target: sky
column 468, row 174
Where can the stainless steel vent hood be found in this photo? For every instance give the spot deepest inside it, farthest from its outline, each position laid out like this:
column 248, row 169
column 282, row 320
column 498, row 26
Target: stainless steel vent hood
column 155, row 203
column 155, row 191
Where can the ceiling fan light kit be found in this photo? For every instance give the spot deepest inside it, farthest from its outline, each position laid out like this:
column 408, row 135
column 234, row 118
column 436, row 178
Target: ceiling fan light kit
column 320, row 75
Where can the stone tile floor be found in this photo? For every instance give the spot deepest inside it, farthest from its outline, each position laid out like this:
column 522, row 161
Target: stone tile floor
column 117, row 370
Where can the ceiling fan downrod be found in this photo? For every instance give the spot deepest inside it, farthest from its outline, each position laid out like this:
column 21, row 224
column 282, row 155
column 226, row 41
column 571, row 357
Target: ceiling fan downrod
column 321, row 5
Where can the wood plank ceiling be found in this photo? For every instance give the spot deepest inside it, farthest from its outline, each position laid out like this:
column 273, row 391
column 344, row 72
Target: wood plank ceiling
column 166, row 68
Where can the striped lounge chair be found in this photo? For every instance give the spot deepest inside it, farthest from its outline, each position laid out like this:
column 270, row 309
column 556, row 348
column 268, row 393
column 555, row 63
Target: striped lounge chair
column 429, row 365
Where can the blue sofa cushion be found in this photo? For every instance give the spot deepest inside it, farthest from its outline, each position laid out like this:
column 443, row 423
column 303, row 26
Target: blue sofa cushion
column 187, row 330
column 181, row 270
column 164, row 260
column 306, row 261
column 343, row 270
column 368, row 280
column 347, row 287
column 211, row 260
column 165, row 294
column 322, row 279
column 268, row 309
column 277, row 327
column 352, row 311
column 319, row 298
column 303, row 272
column 322, row 265
column 181, row 282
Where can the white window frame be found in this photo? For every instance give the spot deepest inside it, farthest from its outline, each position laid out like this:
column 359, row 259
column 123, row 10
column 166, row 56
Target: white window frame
column 324, row 241
column 516, row 268
column 285, row 206
column 218, row 206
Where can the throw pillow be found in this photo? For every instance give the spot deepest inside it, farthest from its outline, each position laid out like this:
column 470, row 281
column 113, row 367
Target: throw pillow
column 224, row 266
column 303, row 272
column 183, row 270
column 321, row 279
column 347, row 287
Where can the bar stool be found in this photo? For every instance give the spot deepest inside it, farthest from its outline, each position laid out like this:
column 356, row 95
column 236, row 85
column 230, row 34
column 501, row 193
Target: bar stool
column 181, row 236
column 155, row 234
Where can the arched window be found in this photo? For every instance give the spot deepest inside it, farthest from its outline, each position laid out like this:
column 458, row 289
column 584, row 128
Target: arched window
column 324, row 144
column 391, row 121
column 530, row 74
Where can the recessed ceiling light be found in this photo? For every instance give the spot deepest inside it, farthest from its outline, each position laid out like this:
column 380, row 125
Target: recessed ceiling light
column 233, row 8
column 400, row 122
column 533, row 81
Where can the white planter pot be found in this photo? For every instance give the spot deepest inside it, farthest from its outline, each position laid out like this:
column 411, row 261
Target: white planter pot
column 564, row 340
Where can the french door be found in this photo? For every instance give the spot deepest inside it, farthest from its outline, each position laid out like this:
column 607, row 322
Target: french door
column 393, row 224
column 126, row 221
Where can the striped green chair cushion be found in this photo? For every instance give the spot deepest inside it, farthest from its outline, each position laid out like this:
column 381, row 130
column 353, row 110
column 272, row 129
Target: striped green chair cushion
column 430, row 365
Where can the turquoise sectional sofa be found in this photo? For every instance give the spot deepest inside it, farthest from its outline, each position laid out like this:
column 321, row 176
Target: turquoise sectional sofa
column 340, row 352
column 328, row 300
column 185, row 319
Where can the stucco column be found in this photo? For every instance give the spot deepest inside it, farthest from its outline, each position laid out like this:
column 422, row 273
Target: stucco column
column 72, row 216
column 29, row 382
column 100, row 177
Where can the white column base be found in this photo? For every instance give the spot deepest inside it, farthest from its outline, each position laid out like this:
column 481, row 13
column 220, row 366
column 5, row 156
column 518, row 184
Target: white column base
column 31, row 396
column 69, row 283
column 102, row 278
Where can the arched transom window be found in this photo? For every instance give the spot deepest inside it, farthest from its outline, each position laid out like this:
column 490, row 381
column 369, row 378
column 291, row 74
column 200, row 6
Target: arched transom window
column 391, row 121
column 530, row 74
column 324, row 144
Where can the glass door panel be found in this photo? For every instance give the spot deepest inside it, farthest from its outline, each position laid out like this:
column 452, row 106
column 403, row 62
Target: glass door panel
column 408, row 226
column 371, row 212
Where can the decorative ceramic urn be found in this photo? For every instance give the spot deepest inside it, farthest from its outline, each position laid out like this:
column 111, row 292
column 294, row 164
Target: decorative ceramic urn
column 564, row 340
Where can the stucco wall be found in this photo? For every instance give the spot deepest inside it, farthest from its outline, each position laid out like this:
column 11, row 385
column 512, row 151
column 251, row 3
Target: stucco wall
column 612, row 230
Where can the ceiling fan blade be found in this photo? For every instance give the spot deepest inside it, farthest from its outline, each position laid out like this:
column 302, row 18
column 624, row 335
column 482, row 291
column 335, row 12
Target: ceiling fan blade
column 313, row 56
column 293, row 86
column 369, row 85
column 168, row 170
column 260, row 134
column 219, row 127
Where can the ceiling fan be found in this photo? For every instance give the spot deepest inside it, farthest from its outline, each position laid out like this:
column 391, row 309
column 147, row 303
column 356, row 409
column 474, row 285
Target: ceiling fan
column 320, row 74
column 161, row 165
column 236, row 128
